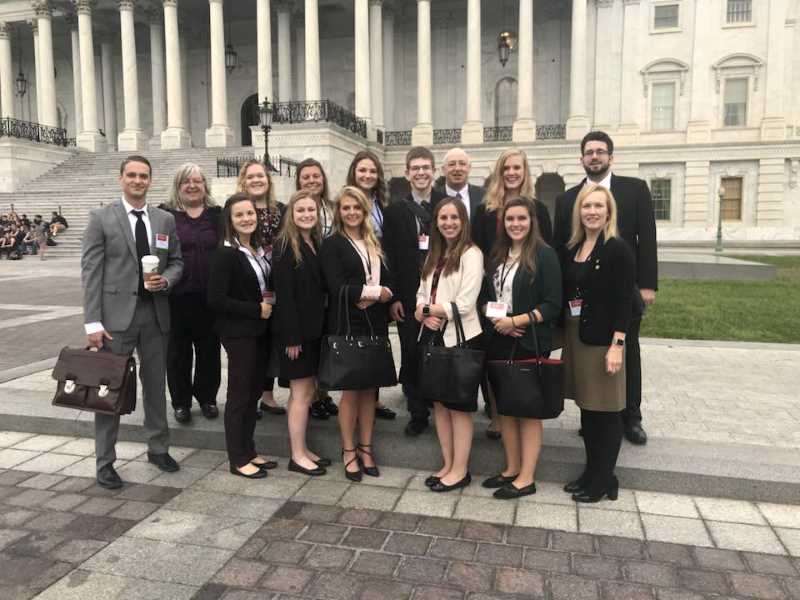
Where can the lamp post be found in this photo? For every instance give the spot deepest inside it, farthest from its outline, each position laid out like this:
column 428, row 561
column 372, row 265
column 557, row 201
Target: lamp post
column 721, row 194
column 265, row 120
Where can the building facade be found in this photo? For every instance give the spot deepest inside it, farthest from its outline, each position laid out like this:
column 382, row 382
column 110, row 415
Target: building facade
column 701, row 96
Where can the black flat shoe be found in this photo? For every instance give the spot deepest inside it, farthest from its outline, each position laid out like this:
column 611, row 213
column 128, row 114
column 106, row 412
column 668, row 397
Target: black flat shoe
column 371, row 471
column 510, row 491
column 432, row 480
column 271, row 410
column 323, row 462
column 352, row 475
column 441, row 487
column 317, row 411
column 330, row 406
column 108, row 478
column 267, row 465
column 210, row 411
column 183, row 415
column 293, row 466
column 574, row 487
column 387, row 414
column 260, row 474
column 164, row 462
column 498, row 481
column 590, row 497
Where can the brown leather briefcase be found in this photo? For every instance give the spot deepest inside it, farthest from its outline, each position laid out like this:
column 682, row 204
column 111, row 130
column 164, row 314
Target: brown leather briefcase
column 101, row 382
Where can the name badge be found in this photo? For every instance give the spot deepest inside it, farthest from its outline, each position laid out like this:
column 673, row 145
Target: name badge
column 422, row 241
column 162, row 241
column 496, row 310
column 575, row 307
column 268, row 297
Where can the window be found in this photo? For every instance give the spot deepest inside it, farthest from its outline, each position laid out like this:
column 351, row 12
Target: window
column 661, row 190
column 663, row 106
column 739, row 11
column 731, row 198
column 665, row 16
column 735, row 102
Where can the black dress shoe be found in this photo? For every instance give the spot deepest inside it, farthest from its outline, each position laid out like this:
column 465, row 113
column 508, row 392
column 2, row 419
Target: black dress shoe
column 387, row 414
column 635, row 434
column 498, row 481
column 317, row 411
column 510, row 491
column 210, row 411
column 330, row 406
column 591, row 496
column 293, row 466
column 577, row 486
column 323, row 462
column 108, row 478
column 260, row 474
column 164, row 462
column 443, row 487
column 414, row 427
column 432, row 480
column 267, row 465
column 183, row 415
column 271, row 410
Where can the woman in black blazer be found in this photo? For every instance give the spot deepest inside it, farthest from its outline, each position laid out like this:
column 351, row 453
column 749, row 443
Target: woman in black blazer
column 237, row 288
column 352, row 260
column 300, row 315
column 598, row 271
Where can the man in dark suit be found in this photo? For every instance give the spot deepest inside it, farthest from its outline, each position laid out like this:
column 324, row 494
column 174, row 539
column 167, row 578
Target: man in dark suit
column 406, row 229
column 455, row 169
column 637, row 226
column 123, row 313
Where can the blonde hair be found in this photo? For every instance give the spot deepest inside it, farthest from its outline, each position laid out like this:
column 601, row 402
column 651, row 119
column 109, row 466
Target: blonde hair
column 240, row 182
column 495, row 197
column 367, row 232
column 610, row 228
column 289, row 235
column 182, row 174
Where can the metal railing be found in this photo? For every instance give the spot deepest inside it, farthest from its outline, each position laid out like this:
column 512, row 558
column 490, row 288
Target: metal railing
column 497, row 134
column 229, row 166
column 323, row 110
column 398, row 138
column 36, row 132
column 447, row 136
column 554, row 131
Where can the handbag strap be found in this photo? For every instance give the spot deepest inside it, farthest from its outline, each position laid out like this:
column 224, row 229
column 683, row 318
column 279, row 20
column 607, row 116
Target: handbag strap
column 461, row 338
column 532, row 327
column 343, row 301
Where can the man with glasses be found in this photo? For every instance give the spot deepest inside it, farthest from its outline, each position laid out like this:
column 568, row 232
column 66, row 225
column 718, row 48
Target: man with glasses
column 637, row 226
column 406, row 230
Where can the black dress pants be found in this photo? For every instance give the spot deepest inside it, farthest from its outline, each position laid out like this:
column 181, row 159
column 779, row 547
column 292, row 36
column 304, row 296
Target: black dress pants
column 247, row 359
column 408, row 331
column 191, row 327
column 632, row 415
column 602, row 438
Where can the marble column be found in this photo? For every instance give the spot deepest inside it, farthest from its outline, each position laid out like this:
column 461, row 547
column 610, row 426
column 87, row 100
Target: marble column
column 264, row 49
column 37, row 68
column 109, row 93
column 89, row 138
column 606, row 69
column 472, row 129
column 47, row 79
column 630, row 111
column 184, row 35
column 524, row 128
column 699, row 126
column 6, row 73
column 422, row 133
column 388, row 69
column 773, row 125
column 578, row 122
column 362, row 68
column 131, row 138
column 219, row 135
column 376, row 62
column 157, row 76
column 299, row 57
column 284, row 52
column 175, row 135
column 75, row 43
column 313, row 84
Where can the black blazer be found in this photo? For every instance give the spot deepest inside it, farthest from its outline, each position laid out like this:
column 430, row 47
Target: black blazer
column 475, row 198
column 299, row 294
column 234, row 294
column 341, row 265
column 607, row 292
column 635, row 221
column 400, row 245
column 484, row 226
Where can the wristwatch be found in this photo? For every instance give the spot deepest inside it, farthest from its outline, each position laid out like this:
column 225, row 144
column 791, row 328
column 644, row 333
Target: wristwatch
column 426, row 310
column 619, row 342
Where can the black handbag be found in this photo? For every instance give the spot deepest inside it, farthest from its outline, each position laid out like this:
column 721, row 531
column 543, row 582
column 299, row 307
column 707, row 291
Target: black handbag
column 349, row 362
column 531, row 388
column 451, row 375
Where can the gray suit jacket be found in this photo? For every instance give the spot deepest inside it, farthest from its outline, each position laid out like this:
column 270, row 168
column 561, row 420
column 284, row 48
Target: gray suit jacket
column 110, row 267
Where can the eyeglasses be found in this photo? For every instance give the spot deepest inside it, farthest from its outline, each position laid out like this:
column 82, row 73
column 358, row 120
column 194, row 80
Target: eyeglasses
column 598, row 152
column 417, row 168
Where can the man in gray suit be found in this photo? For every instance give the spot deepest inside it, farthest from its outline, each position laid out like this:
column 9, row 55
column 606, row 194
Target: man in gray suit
column 456, row 168
column 123, row 313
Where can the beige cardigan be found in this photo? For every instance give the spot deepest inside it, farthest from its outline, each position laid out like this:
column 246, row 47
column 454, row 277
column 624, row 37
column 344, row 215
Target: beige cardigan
column 462, row 287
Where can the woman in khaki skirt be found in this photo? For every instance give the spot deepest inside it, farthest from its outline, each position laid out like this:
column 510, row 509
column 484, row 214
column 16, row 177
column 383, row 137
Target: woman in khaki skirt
column 598, row 272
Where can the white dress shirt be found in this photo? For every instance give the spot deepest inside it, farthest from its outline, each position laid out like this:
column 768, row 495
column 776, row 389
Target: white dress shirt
column 463, row 193
column 604, row 182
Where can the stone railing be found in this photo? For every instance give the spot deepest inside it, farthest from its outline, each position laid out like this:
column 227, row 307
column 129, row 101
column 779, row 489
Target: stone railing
column 323, row 110
column 36, row 132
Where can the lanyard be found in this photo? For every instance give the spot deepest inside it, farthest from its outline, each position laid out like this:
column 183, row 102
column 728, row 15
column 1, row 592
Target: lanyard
column 366, row 260
column 505, row 273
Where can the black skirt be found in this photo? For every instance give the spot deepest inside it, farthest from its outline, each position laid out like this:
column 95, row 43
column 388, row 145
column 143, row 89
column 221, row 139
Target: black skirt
column 305, row 365
column 429, row 336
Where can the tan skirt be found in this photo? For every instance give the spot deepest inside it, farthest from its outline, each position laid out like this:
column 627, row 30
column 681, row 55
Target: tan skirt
column 585, row 377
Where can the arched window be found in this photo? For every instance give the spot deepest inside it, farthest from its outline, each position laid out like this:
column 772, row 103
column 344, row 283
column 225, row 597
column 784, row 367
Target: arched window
column 505, row 102
column 663, row 84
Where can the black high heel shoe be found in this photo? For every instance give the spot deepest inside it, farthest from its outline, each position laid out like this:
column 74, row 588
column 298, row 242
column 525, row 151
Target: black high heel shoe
column 371, row 471
column 352, row 475
column 611, row 492
column 443, row 487
column 574, row 487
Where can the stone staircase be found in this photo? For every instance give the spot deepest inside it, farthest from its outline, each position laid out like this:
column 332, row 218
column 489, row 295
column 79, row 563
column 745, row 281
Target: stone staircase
column 88, row 180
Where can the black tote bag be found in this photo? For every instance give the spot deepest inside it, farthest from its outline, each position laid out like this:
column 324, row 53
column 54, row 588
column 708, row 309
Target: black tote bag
column 531, row 388
column 349, row 362
column 451, row 375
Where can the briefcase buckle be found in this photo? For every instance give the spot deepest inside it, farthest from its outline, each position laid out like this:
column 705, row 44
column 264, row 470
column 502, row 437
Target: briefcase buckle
column 103, row 392
column 69, row 386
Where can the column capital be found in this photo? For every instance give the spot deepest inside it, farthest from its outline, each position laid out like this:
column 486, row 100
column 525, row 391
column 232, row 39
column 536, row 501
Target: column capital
column 126, row 4
column 34, row 25
column 376, row 2
column 215, row 1
column 83, row 7
column 171, row 3
column 41, row 8
column 155, row 16
column 5, row 30
column 71, row 19
column 627, row 2
column 603, row 3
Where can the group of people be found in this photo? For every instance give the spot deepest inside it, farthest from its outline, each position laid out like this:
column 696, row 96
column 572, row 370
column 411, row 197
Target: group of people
column 20, row 236
column 269, row 281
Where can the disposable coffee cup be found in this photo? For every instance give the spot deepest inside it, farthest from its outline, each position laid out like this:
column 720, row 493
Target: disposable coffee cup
column 149, row 266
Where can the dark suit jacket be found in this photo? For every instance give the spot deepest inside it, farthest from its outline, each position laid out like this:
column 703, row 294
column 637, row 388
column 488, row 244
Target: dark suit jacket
column 607, row 291
column 475, row 198
column 400, row 244
column 234, row 294
column 342, row 266
column 300, row 296
column 635, row 221
column 484, row 227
